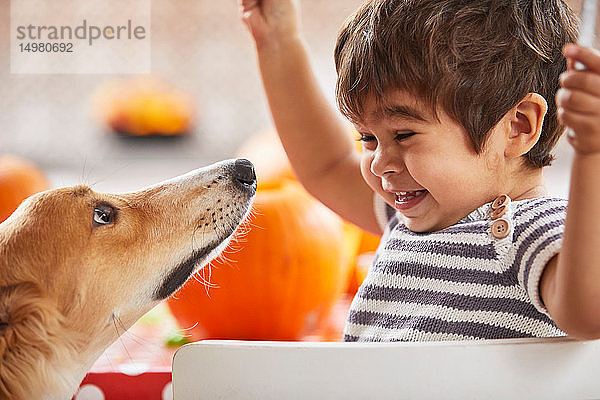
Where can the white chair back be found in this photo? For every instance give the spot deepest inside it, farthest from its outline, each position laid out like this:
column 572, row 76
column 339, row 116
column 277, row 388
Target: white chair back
column 556, row 368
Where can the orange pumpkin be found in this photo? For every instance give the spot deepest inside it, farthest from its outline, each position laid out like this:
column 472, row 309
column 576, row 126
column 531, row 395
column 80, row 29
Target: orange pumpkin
column 270, row 161
column 366, row 251
column 280, row 281
column 19, row 179
column 143, row 106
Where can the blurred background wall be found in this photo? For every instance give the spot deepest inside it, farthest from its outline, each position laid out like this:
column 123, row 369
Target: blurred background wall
column 198, row 46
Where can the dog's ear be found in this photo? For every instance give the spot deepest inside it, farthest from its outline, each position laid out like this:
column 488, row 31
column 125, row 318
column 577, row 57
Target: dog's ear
column 29, row 325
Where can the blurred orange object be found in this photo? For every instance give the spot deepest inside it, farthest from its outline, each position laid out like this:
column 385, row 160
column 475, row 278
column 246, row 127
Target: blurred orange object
column 364, row 257
column 283, row 278
column 270, row 161
column 19, row 179
column 144, row 106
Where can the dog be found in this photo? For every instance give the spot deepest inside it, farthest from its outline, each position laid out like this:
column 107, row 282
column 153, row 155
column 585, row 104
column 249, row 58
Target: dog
column 77, row 268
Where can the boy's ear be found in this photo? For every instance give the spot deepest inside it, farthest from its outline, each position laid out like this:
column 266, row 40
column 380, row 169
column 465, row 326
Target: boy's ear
column 526, row 121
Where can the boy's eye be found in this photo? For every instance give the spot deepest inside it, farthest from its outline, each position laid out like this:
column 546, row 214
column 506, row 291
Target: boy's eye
column 403, row 136
column 367, row 138
column 369, row 142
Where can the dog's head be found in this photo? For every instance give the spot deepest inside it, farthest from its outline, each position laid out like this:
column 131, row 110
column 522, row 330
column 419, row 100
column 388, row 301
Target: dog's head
column 94, row 259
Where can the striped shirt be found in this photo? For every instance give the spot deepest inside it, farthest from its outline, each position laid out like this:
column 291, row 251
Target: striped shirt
column 461, row 282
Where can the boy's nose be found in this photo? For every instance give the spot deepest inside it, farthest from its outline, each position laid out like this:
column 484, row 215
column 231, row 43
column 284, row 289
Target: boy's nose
column 385, row 163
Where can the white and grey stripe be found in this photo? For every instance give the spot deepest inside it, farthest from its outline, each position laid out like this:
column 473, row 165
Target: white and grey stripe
column 460, row 282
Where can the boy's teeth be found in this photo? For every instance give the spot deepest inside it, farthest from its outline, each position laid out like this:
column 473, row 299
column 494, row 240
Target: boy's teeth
column 405, row 196
column 414, row 192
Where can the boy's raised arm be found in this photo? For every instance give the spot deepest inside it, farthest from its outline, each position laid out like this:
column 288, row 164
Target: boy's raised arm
column 571, row 284
column 316, row 139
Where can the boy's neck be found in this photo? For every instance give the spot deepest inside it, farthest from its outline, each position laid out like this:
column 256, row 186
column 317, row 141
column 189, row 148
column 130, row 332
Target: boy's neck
column 529, row 186
column 537, row 191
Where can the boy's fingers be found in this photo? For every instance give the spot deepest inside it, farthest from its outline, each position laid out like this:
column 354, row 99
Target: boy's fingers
column 588, row 57
column 581, row 80
column 252, row 15
column 578, row 101
column 254, row 22
column 246, row 5
column 585, row 137
column 584, row 126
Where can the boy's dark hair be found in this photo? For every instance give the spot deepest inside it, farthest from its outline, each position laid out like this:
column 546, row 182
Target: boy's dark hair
column 475, row 58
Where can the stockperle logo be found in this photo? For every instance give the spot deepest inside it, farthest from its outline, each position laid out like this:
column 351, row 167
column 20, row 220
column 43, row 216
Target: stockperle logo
column 80, row 36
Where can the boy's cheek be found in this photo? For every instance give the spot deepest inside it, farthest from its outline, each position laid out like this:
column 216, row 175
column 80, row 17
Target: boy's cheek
column 365, row 166
column 372, row 180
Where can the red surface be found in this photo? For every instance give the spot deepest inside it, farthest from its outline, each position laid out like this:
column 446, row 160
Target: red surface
column 116, row 385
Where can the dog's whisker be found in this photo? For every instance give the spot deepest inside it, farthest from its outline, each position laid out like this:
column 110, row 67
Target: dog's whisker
column 211, row 284
column 207, row 287
column 131, row 336
column 224, row 259
column 129, row 356
column 254, row 212
column 183, row 331
column 116, row 321
column 207, row 281
column 242, row 232
column 109, row 360
column 235, row 244
column 254, row 226
column 84, row 178
column 201, row 279
column 234, row 248
column 240, row 237
column 136, row 338
column 194, row 247
column 112, row 172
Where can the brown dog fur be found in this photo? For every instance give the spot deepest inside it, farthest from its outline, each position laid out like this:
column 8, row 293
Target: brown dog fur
column 70, row 286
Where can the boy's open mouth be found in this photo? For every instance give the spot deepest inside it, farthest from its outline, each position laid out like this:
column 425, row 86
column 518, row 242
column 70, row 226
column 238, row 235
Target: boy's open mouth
column 406, row 200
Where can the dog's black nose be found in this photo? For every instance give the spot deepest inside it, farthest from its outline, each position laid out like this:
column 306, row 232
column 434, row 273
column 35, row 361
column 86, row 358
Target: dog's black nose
column 243, row 172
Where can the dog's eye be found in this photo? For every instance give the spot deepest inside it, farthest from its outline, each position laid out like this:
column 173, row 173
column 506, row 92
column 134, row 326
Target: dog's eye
column 103, row 215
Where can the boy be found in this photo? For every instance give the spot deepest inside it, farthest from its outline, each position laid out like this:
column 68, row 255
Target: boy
column 453, row 101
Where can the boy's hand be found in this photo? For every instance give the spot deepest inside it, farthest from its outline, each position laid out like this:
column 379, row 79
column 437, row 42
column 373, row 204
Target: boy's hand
column 578, row 100
column 270, row 20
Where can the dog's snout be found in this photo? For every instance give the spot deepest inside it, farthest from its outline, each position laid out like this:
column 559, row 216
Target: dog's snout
column 243, row 172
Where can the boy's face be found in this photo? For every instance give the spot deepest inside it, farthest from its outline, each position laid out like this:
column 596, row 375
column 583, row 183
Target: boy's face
column 426, row 167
